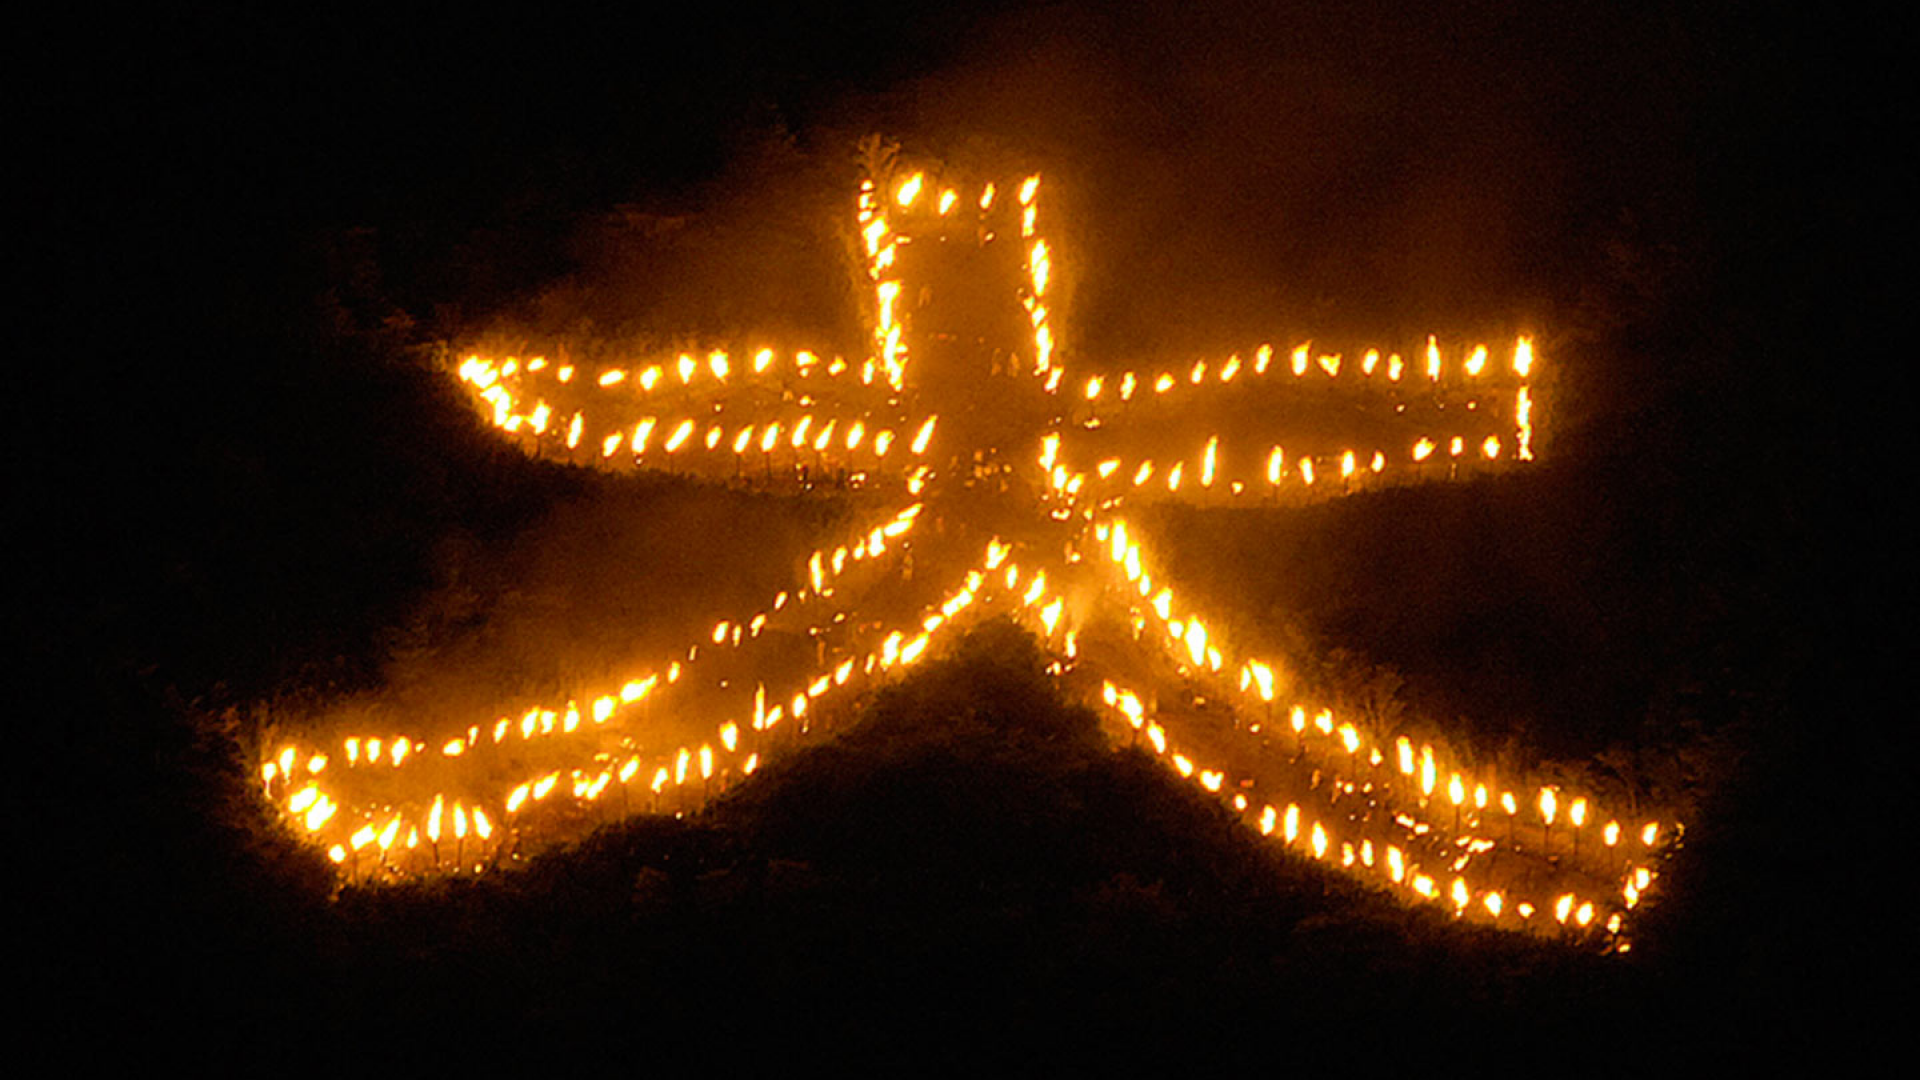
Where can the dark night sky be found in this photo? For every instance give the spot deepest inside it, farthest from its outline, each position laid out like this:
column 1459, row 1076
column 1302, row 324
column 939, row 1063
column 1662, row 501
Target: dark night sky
column 1373, row 167
column 1361, row 161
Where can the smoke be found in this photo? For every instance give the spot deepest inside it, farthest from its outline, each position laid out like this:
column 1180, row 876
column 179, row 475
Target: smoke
column 1220, row 173
column 1232, row 170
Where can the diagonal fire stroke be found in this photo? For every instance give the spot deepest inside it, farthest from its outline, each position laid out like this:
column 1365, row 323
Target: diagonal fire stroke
column 1060, row 458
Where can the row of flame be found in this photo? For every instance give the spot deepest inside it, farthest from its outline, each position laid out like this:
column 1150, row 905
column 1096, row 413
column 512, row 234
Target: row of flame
column 1477, row 363
column 1398, row 867
column 1190, row 642
column 880, row 237
column 316, row 811
column 1189, row 634
column 1116, row 475
column 293, row 777
column 295, row 771
column 800, row 435
column 719, row 365
column 1187, row 639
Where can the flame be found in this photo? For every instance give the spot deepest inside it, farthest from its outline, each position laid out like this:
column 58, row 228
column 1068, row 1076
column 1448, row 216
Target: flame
column 1523, row 419
column 909, row 191
column 1196, row 638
